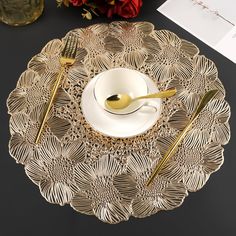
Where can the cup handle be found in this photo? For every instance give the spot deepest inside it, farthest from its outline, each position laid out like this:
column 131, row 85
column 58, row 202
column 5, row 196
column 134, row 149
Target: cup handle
column 149, row 107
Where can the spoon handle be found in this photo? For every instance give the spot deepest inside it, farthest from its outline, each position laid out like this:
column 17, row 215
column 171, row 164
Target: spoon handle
column 162, row 94
column 172, row 149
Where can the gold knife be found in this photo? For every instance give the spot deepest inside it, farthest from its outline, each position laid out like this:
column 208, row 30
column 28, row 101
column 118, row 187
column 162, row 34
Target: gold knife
column 172, row 149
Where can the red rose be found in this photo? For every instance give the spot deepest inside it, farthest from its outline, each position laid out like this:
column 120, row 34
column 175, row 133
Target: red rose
column 124, row 8
column 78, row 2
column 129, row 8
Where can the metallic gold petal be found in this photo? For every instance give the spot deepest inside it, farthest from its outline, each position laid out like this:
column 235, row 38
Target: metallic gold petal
column 162, row 72
column 138, row 164
column 80, row 55
column 58, row 126
column 219, row 108
column 221, row 133
column 166, row 37
column 175, row 83
column 53, row 47
column 28, row 79
column 217, row 84
column 151, row 45
column 77, row 73
column 99, row 29
column 50, row 149
column 144, row 27
column 172, row 170
column 163, row 144
column 197, row 138
column 189, row 48
column 205, row 67
column 35, row 171
column 112, row 213
column 74, row 151
column 57, row 193
column 101, row 62
column 73, row 186
column 135, row 58
column 38, row 63
column 163, row 194
column 48, row 59
column 126, row 185
column 84, row 175
column 179, row 120
column 143, row 208
column 47, row 80
column 184, row 68
column 62, row 98
column 16, row 101
column 117, row 27
column 37, row 113
column 190, row 101
column 213, row 158
column 107, row 166
column 20, row 149
column 82, row 203
column 172, row 196
column 113, row 44
column 19, row 123
column 194, row 180
column 166, row 194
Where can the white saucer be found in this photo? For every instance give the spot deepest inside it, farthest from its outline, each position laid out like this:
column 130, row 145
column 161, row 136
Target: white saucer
column 119, row 126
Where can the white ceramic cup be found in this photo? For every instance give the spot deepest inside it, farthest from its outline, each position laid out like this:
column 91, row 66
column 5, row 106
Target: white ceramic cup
column 122, row 81
column 120, row 126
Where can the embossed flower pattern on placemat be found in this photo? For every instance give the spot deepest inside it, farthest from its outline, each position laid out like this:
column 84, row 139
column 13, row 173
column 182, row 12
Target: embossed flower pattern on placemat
column 105, row 176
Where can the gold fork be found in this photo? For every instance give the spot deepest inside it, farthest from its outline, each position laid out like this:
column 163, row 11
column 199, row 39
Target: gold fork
column 172, row 149
column 67, row 59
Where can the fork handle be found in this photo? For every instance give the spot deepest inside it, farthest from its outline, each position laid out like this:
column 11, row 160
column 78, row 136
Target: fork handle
column 54, row 91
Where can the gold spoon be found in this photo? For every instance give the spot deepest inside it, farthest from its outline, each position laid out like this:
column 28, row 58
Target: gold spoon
column 121, row 101
column 172, row 149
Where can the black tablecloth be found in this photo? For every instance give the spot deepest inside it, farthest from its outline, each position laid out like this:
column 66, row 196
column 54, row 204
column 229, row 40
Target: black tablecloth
column 24, row 212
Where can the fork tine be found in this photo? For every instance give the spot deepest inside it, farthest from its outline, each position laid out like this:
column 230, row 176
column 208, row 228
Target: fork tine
column 73, row 47
column 65, row 47
column 68, row 49
column 63, row 53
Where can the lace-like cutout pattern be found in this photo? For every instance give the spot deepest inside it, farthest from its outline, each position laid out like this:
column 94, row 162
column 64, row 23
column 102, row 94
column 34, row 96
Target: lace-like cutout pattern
column 105, row 176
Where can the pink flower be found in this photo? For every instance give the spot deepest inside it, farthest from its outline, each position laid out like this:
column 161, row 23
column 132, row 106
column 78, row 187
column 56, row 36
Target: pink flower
column 78, row 2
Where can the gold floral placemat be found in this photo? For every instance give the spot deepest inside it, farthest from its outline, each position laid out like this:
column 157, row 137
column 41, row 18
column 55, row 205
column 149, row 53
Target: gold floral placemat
column 104, row 176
